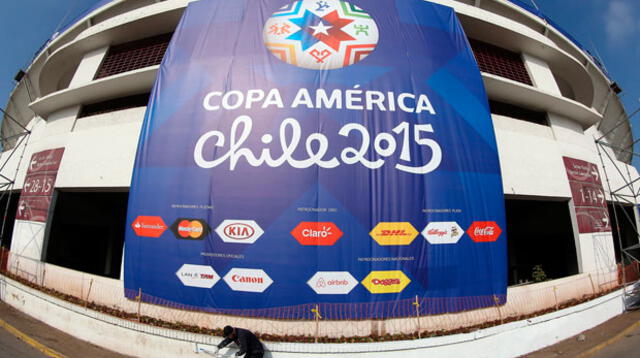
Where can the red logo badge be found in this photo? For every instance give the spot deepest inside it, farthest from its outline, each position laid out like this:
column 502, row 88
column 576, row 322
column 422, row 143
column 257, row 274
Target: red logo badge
column 149, row 226
column 484, row 231
column 316, row 234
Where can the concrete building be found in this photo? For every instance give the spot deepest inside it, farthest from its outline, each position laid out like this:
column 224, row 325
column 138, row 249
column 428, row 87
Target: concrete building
column 87, row 89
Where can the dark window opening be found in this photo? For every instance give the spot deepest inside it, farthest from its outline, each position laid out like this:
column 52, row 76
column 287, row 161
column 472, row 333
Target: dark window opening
column 500, row 62
column 628, row 235
column 134, row 55
column 8, row 221
column 87, row 232
column 509, row 110
column 539, row 233
column 140, row 100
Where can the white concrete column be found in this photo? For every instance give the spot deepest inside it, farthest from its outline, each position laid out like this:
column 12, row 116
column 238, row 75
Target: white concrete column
column 88, row 67
column 541, row 74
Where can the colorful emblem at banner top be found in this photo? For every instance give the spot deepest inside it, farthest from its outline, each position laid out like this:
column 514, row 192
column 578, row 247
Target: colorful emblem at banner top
column 320, row 34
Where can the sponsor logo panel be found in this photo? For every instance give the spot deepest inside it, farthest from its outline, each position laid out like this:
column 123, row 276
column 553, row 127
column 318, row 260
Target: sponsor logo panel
column 394, row 233
column 248, row 280
column 316, row 233
column 332, row 282
column 484, row 231
column 190, row 229
column 386, row 281
column 149, row 226
column 444, row 232
column 201, row 276
column 239, row 231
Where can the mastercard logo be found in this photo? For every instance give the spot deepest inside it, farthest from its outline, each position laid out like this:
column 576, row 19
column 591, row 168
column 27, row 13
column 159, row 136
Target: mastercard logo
column 190, row 229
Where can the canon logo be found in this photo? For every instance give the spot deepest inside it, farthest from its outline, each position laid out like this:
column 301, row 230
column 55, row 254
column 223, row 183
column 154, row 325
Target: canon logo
column 238, row 231
column 246, row 279
column 386, row 281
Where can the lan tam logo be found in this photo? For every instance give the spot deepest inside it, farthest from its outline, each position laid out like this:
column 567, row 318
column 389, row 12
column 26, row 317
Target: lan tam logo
column 320, row 34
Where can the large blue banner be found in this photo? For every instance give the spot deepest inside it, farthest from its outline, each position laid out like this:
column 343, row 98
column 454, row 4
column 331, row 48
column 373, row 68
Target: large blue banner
column 328, row 153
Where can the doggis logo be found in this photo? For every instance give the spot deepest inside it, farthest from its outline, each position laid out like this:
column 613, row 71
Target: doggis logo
column 317, row 233
column 190, row 229
column 394, row 233
column 148, row 226
column 239, row 231
column 484, row 231
column 386, row 281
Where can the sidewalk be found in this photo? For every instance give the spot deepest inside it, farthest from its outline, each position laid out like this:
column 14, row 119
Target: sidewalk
column 590, row 343
column 50, row 337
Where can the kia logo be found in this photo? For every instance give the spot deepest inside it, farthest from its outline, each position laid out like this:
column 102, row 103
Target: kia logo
column 239, row 231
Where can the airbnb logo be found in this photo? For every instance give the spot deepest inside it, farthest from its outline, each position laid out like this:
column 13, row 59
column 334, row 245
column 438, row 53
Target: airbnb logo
column 332, row 282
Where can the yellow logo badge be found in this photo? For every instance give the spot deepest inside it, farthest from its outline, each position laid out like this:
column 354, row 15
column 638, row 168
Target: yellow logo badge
column 386, row 281
column 387, row 234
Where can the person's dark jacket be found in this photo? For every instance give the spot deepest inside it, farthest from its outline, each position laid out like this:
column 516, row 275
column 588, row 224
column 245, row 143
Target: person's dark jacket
column 246, row 340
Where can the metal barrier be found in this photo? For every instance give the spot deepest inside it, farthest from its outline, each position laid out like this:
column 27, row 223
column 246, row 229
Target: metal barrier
column 304, row 323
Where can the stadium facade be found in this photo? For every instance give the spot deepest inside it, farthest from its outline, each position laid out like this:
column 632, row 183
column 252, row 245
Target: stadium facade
column 72, row 125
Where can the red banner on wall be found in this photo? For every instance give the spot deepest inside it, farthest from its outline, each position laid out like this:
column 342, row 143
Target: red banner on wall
column 37, row 190
column 588, row 196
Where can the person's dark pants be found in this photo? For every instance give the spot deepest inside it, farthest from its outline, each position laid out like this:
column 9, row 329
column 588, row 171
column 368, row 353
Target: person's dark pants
column 254, row 355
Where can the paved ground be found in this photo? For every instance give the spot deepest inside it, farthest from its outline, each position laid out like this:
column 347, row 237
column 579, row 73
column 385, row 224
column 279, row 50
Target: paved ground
column 10, row 346
column 616, row 338
column 611, row 339
column 68, row 346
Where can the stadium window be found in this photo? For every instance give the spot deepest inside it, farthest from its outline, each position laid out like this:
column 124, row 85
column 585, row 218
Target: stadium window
column 87, row 232
column 500, row 62
column 134, row 55
column 623, row 230
column 113, row 105
column 509, row 110
column 539, row 234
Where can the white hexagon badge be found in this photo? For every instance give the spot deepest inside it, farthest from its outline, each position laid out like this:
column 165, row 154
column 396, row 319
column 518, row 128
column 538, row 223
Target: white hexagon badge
column 248, row 280
column 197, row 276
column 445, row 232
column 332, row 282
column 239, row 231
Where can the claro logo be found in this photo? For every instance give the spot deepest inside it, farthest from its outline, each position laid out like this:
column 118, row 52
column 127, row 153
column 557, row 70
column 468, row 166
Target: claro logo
column 239, row 231
column 386, row 281
column 248, row 280
column 316, row 233
column 394, row 233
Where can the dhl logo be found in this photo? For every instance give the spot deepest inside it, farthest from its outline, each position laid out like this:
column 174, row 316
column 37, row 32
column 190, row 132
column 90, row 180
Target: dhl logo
column 394, row 233
column 386, row 281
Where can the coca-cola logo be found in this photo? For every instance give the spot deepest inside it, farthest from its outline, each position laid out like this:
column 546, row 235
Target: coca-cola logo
column 386, row 281
column 484, row 231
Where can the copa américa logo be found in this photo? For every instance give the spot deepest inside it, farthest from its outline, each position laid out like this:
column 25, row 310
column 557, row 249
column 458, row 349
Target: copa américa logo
column 320, row 34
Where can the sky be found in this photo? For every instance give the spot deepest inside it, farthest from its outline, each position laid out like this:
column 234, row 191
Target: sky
column 610, row 29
